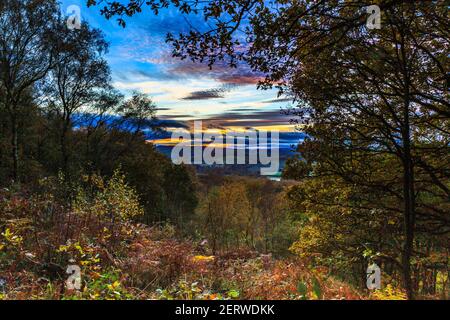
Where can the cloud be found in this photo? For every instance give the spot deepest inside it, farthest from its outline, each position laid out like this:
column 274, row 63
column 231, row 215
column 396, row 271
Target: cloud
column 244, row 109
column 252, row 119
column 139, row 75
column 164, row 67
column 221, row 72
column 278, row 100
column 205, row 94
column 217, row 93
column 174, row 116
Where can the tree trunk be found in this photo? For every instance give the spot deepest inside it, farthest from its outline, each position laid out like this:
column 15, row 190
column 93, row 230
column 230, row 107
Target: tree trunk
column 63, row 152
column 409, row 213
column 409, row 205
column 63, row 143
column 15, row 148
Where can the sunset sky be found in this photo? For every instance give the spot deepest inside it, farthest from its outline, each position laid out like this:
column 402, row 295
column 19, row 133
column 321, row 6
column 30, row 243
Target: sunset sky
column 223, row 98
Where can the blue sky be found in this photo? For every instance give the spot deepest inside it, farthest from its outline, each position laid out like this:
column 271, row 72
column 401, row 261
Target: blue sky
column 183, row 91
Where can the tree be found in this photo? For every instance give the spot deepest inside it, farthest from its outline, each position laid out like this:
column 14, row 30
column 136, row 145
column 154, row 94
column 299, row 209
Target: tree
column 246, row 212
column 225, row 215
column 137, row 113
column 77, row 80
column 179, row 193
column 26, row 32
column 112, row 121
column 373, row 101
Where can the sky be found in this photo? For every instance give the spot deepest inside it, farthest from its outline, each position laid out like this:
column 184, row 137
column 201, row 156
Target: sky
column 223, row 98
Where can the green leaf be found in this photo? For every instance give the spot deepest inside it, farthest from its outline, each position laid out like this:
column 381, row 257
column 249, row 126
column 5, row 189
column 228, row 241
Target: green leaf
column 302, row 289
column 317, row 289
column 234, row 294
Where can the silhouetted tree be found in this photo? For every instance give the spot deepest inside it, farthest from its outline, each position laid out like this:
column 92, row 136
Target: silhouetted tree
column 27, row 28
column 77, row 80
